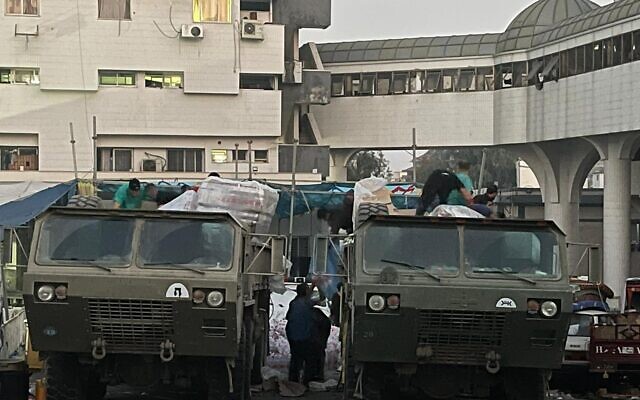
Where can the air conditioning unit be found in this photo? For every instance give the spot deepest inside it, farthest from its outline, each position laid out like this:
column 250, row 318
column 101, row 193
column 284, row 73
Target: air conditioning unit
column 192, row 31
column 149, row 165
column 252, row 30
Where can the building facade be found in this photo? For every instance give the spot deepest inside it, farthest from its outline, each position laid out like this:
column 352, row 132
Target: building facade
column 177, row 88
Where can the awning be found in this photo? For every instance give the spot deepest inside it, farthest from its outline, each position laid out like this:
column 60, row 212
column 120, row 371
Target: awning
column 22, row 210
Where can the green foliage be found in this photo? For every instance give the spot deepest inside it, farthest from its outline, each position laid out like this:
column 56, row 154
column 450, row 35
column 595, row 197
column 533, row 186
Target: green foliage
column 367, row 163
column 500, row 165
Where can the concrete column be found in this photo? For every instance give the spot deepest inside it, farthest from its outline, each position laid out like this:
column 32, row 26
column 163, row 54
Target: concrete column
column 338, row 171
column 616, row 223
column 566, row 215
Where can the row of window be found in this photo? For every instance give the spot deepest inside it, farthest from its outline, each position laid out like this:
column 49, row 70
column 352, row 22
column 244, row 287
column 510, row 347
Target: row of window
column 594, row 56
column 25, row 76
column 176, row 160
column 203, row 10
column 171, row 80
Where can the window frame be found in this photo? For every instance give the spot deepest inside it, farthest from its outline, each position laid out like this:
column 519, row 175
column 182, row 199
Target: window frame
column 384, row 77
column 11, row 73
column 184, row 151
column 163, row 75
column 124, row 18
column 19, row 149
column 338, row 80
column 262, row 160
column 22, row 14
column 125, row 74
column 200, row 20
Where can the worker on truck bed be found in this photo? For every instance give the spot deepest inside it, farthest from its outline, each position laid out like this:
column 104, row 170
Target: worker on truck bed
column 130, row 195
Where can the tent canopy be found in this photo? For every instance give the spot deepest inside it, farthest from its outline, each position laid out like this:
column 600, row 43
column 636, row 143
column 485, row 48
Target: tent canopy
column 22, row 210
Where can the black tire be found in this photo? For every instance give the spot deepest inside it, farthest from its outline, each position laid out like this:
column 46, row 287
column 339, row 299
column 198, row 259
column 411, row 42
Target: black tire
column 84, row 202
column 366, row 210
column 64, row 380
column 14, row 385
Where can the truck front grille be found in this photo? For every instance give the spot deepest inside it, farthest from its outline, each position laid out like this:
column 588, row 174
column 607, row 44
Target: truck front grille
column 137, row 326
column 460, row 337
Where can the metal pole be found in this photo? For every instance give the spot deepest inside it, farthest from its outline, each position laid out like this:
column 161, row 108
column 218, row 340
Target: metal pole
column 482, row 165
column 249, row 154
column 293, row 196
column 415, row 173
column 237, row 159
column 73, row 151
column 95, row 150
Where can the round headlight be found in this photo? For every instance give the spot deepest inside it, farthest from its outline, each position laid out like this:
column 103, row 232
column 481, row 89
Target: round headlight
column 393, row 302
column 376, row 303
column 549, row 309
column 199, row 296
column 45, row 293
column 533, row 306
column 215, row 298
column 61, row 292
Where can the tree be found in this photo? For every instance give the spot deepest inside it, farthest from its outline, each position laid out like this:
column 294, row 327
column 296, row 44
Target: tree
column 367, row 163
column 500, row 165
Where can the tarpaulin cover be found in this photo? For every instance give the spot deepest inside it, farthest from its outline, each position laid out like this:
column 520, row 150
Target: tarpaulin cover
column 21, row 211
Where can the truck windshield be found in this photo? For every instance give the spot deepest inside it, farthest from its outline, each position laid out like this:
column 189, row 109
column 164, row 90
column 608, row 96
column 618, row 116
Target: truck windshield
column 179, row 243
column 435, row 250
column 75, row 240
column 492, row 252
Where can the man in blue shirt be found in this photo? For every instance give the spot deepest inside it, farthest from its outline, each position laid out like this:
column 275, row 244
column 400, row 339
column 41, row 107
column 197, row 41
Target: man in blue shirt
column 129, row 195
column 462, row 196
column 299, row 331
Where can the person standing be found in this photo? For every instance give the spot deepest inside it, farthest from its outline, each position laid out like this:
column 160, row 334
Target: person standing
column 129, row 195
column 299, row 331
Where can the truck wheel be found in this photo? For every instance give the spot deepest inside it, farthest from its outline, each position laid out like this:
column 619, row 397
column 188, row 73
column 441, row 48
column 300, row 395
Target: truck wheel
column 64, row 380
column 84, row 202
column 366, row 210
column 244, row 361
column 261, row 330
column 14, row 385
column 525, row 384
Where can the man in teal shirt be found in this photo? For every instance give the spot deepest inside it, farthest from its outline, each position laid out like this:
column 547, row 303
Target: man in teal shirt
column 462, row 197
column 129, row 195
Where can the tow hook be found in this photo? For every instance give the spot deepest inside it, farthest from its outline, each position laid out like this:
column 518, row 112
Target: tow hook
column 166, row 350
column 99, row 349
column 493, row 362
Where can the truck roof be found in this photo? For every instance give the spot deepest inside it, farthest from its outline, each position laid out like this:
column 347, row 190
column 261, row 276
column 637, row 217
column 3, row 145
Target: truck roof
column 488, row 222
column 142, row 213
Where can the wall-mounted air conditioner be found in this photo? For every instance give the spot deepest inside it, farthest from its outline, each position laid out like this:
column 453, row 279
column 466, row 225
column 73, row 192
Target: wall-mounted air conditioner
column 192, row 31
column 252, row 30
column 149, row 165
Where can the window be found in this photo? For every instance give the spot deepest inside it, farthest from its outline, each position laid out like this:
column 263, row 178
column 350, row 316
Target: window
column 400, row 82
column 19, row 158
column 337, row 85
column 617, row 50
column 383, row 83
column 597, row 55
column 572, row 61
column 261, row 156
column 485, row 78
column 416, row 81
column 608, row 51
column 434, row 81
column 564, row 64
column 449, row 78
column 505, row 75
column 111, row 159
column 627, row 47
column 580, row 60
column 588, row 57
column 114, row 9
column 117, row 78
column 255, row 81
column 185, row 160
column 212, row 10
column 219, row 156
column 353, row 85
column 241, row 155
column 467, row 80
column 368, row 84
column 520, row 74
column 26, row 76
column 21, row 7
column 636, row 45
column 170, row 80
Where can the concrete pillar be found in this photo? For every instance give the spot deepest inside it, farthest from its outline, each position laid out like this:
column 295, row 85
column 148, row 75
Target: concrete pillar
column 566, row 215
column 338, row 171
column 616, row 223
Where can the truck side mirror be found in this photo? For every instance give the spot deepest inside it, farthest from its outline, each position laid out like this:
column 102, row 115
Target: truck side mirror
column 321, row 255
column 278, row 245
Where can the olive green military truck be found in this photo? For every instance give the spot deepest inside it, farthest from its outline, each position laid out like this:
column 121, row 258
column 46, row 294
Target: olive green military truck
column 451, row 307
column 149, row 298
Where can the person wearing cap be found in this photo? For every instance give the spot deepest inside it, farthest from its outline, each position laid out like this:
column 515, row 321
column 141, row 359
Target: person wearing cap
column 487, row 198
column 129, row 195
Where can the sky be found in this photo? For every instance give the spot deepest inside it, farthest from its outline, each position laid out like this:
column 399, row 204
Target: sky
column 385, row 19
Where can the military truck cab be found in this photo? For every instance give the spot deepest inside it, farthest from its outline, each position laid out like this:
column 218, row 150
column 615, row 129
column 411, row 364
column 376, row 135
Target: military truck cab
column 148, row 298
column 451, row 307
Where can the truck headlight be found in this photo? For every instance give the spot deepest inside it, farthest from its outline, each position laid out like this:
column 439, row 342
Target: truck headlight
column 61, row 292
column 376, row 303
column 549, row 309
column 45, row 293
column 199, row 296
column 215, row 298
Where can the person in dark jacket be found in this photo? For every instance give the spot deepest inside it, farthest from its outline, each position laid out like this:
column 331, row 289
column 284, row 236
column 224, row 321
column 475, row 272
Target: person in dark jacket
column 320, row 336
column 437, row 189
column 299, row 332
column 488, row 198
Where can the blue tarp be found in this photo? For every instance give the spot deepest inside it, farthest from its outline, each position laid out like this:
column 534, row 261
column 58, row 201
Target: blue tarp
column 19, row 212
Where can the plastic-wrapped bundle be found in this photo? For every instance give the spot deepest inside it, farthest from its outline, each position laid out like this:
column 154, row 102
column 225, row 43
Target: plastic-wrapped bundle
column 455, row 212
column 252, row 203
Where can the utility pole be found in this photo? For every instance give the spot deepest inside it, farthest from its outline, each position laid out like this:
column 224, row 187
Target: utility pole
column 414, row 146
column 95, row 150
column 293, row 196
column 249, row 154
column 237, row 157
column 73, row 151
column 482, row 166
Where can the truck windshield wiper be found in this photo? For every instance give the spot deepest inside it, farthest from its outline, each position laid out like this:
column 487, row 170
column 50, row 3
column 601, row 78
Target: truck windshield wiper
column 415, row 268
column 503, row 272
column 180, row 266
column 92, row 263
